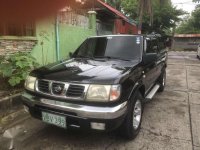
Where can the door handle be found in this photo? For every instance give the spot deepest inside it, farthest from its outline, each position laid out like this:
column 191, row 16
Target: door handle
column 143, row 74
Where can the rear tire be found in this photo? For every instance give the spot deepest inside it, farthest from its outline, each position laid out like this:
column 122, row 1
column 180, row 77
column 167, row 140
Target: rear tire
column 162, row 81
column 132, row 123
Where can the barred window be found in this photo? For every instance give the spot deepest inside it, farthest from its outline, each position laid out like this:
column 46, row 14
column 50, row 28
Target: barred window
column 13, row 29
column 74, row 18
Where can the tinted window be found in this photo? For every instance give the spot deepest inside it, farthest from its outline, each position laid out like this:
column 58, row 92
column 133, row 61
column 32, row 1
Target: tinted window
column 162, row 43
column 152, row 46
column 125, row 47
column 92, row 47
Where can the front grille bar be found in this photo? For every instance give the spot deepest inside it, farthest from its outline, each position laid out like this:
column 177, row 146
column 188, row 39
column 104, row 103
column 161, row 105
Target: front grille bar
column 64, row 92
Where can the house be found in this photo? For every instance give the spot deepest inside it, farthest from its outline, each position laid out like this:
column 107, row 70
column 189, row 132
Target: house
column 186, row 41
column 42, row 37
column 109, row 20
column 52, row 39
column 118, row 22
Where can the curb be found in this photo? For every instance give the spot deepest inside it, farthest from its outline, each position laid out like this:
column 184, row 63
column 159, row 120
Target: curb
column 13, row 119
column 9, row 103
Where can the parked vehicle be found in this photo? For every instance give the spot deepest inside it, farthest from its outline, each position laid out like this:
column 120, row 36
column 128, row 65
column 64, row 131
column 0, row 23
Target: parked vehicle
column 198, row 51
column 103, row 86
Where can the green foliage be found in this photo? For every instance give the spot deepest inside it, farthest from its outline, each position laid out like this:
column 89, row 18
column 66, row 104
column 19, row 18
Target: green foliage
column 191, row 24
column 16, row 67
column 165, row 15
column 196, row 1
column 164, row 18
column 130, row 8
column 114, row 3
column 156, row 15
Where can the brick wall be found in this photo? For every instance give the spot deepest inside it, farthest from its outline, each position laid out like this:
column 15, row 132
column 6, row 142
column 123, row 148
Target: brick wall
column 8, row 46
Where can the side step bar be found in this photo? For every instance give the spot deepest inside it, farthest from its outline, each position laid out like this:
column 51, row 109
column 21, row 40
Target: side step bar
column 152, row 92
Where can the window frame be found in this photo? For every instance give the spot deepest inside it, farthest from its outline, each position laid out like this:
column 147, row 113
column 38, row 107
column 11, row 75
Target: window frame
column 17, row 30
column 146, row 45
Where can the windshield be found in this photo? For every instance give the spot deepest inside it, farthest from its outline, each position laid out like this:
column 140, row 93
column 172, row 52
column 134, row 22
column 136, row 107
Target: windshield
column 122, row 47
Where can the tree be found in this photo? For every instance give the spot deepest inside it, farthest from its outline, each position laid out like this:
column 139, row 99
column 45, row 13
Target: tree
column 145, row 6
column 115, row 3
column 191, row 24
column 196, row 1
column 164, row 17
column 151, row 15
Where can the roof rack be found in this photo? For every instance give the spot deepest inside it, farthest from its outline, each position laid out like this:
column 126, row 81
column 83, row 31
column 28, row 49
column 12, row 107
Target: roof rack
column 154, row 34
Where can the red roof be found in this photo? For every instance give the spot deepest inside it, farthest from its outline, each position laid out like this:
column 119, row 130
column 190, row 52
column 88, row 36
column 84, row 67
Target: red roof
column 118, row 13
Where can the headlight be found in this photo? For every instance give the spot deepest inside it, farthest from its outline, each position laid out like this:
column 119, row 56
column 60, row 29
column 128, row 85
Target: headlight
column 30, row 83
column 103, row 93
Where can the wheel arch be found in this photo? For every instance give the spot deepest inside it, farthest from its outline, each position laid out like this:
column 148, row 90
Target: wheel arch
column 141, row 89
column 138, row 87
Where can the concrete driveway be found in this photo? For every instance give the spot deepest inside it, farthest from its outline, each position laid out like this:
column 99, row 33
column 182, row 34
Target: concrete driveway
column 171, row 120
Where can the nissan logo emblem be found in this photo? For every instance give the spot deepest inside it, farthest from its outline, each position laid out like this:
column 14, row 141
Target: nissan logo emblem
column 57, row 89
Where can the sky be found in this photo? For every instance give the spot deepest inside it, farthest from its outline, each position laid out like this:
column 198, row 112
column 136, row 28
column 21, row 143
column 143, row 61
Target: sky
column 186, row 5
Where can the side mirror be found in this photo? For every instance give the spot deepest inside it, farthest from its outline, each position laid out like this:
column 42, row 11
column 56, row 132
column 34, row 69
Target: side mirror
column 155, row 48
column 149, row 58
column 70, row 54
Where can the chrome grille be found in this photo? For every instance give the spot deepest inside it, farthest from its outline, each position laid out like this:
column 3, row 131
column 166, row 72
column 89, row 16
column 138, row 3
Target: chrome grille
column 43, row 86
column 61, row 89
column 75, row 91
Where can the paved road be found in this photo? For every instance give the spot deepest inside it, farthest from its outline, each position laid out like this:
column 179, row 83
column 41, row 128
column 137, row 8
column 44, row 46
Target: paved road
column 171, row 121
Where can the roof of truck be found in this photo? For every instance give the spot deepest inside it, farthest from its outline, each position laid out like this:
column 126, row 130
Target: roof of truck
column 116, row 35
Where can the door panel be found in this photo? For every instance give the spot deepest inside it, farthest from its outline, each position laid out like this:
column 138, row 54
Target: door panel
column 151, row 70
column 162, row 56
column 149, row 75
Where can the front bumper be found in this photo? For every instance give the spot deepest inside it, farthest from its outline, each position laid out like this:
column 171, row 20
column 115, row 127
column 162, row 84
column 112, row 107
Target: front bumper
column 79, row 115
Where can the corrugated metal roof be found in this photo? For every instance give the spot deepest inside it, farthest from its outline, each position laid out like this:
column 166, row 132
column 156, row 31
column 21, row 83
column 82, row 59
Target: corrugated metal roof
column 186, row 35
column 118, row 13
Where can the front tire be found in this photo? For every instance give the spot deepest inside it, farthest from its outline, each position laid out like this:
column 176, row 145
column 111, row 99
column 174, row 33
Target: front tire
column 132, row 123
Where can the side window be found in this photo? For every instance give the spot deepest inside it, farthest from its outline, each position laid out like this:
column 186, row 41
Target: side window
column 162, row 44
column 148, row 46
column 152, row 46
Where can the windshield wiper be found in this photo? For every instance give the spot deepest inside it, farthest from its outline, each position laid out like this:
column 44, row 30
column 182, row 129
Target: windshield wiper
column 111, row 57
column 81, row 56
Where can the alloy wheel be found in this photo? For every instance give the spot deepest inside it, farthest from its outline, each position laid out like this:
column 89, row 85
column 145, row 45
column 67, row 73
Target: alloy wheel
column 137, row 114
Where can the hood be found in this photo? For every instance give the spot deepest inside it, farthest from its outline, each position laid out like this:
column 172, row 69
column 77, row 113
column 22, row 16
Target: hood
column 86, row 71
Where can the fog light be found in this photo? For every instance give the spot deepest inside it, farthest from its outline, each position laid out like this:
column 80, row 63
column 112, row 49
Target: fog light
column 26, row 109
column 97, row 126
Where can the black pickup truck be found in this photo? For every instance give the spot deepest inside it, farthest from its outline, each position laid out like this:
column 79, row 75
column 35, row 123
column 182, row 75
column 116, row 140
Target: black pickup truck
column 103, row 86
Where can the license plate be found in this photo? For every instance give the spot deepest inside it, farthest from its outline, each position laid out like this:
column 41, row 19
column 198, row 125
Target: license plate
column 54, row 119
